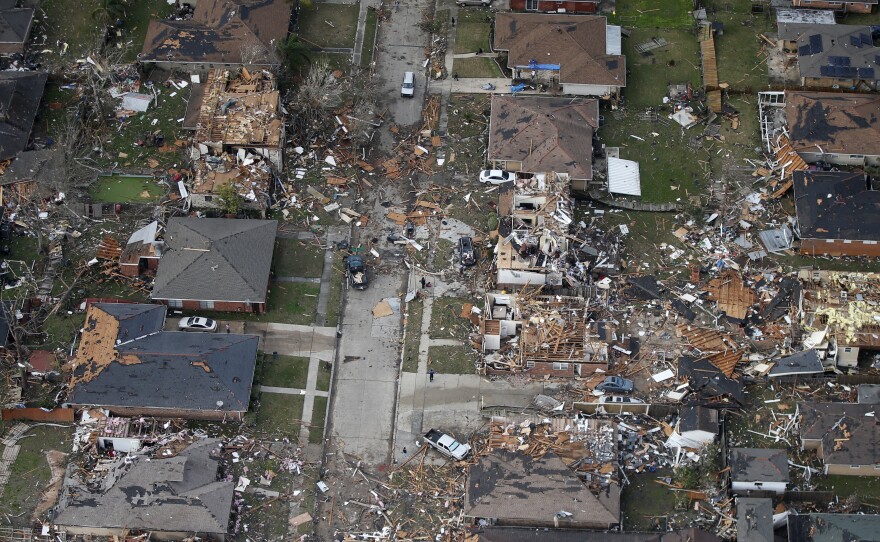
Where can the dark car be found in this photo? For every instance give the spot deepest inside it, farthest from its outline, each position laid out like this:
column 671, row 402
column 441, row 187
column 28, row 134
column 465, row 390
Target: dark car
column 466, row 251
column 615, row 384
column 357, row 272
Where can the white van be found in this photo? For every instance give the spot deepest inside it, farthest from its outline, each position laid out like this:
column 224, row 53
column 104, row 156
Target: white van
column 408, row 88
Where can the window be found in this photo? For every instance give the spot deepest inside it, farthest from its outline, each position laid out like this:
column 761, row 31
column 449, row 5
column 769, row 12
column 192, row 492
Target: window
column 855, row 466
column 209, row 198
column 206, row 305
column 870, row 242
column 856, row 155
column 558, row 366
column 847, row 242
column 175, row 303
column 530, row 365
column 848, row 349
column 531, row 5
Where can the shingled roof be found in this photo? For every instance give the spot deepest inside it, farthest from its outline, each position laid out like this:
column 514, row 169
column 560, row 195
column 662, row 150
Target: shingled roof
column 836, row 51
column 758, row 465
column 216, row 259
column 577, row 43
column 15, row 25
column 828, row 122
column 545, row 134
column 126, row 360
column 836, row 205
column 220, row 31
column 849, row 435
column 20, row 95
column 179, row 494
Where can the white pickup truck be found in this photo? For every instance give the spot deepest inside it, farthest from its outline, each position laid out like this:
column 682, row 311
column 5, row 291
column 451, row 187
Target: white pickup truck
column 447, row 445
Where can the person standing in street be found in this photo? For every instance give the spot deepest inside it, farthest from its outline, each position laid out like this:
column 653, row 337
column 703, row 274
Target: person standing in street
column 431, row 375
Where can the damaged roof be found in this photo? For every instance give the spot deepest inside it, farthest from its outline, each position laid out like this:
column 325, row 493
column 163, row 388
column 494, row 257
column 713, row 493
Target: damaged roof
column 177, row 494
column 513, row 486
column 758, row 465
column 836, row 205
column 545, row 134
column 201, row 253
column 126, row 360
column 806, row 362
column 828, row 122
column 220, row 31
column 20, row 95
column 708, row 380
column 578, row 44
column 849, row 435
column 833, row 527
column 698, row 418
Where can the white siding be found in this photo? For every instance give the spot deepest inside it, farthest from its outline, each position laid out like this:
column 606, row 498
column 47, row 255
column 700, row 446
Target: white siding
column 587, row 90
column 776, row 487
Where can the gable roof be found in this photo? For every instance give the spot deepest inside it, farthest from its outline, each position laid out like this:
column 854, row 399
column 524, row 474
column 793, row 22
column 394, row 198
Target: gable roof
column 176, row 494
column 43, row 165
column 126, row 360
column 20, row 95
column 837, row 51
column 514, row 486
column 578, row 44
column 219, row 31
column 833, row 527
column 800, row 363
column 754, row 520
column 545, row 134
column 833, row 123
column 758, row 465
column 15, row 23
column 836, row 205
column 204, row 253
column 698, row 418
column 831, row 421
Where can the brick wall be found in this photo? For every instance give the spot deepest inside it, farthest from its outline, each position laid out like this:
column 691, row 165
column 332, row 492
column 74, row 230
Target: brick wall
column 173, row 413
column 569, row 7
column 221, row 306
column 838, row 247
column 852, row 7
column 847, row 470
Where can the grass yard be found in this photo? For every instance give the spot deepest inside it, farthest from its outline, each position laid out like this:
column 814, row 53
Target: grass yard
column 325, row 374
column 137, row 18
column 865, row 488
column 467, row 133
column 644, row 504
column 285, row 371
column 334, row 61
column 668, row 165
column 60, row 329
column 328, row 25
column 24, row 248
column 30, row 473
column 75, row 27
column 280, row 414
column 334, row 296
column 291, row 303
column 446, row 320
column 370, row 26
column 653, row 14
column 457, row 360
column 649, row 76
column 736, row 50
column 472, row 30
column 476, row 67
column 125, row 189
column 294, row 258
column 319, row 415
column 415, row 310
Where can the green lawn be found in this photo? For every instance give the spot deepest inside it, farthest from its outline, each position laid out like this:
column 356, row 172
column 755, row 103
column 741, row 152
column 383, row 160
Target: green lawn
column 285, row 371
column 653, row 14
column 649, row 76
column 446, row 320
column 319, row 415
column 413, row 336
column 334, row 61
column 325, row 373
column 125, row 189
column 736, row 49
column 334, row 295
column 291, row 303
column 138, row 17
column 294, row 258
column 30, row 473
column 76, row 27
column 280, row 414
column 472, row 30
column 467, row 135
column 61, row 328
column 328, row 25
column 644, row 503
column 370, row 26
column 452, row 359
column 866, row 488
column 476, row 67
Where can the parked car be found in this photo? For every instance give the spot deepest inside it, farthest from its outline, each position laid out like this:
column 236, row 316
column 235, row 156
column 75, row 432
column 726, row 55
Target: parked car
column 466, row 253
column 408, row 88
column 620, row 400
column 357, row 272
column 615, row 384
column 484, row 3
column 496, row 176
column 197, row 323
column 447, row 445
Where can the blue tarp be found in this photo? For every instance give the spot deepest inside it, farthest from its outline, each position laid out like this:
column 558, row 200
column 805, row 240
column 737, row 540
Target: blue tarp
column 517, row 88
column 533, row 65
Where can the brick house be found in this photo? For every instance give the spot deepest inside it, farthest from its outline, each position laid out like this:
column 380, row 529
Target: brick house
column 845, row 436
column 861, row 6
column 218, row 264
column 127, row 364
column 548, row 6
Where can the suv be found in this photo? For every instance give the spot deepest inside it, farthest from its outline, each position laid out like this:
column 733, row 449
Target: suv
column 615, row 384
column 466, row 253
column 408, row 88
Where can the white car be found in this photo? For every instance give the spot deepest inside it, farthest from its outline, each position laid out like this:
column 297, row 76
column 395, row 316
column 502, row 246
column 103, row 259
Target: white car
column 619, row 400
column 496, row 176
column 197, row 323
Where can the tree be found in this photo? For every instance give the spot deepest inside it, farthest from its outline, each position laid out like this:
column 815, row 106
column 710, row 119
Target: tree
column 230, row 197
column 294, row 54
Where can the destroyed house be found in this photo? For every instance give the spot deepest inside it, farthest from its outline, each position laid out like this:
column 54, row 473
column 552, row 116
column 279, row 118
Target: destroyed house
column 758, row 469
column 846, row 6
column 711, row 384
column 142, row 252
column 20, row 95
column 32, row 175
column 172, row 498
column 799, row 365
column 15, row 27
column 533, row 135
column 570, row 483
column 840, row 310
column 217, row 264
column 837, row 213
column 581, row 53
column 845, row 437
column 835, row 55
column 220, row 34
column 541, row 335
column 552, row 6
column 239, row 136
column 127, row 364
column 515, row 534
column 835, row 128
column 833, row 527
